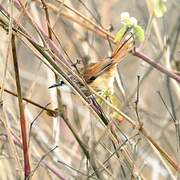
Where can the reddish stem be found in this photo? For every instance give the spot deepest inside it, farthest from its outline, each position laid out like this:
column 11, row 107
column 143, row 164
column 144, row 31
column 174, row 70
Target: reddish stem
column 156, row 65
column 27, row 168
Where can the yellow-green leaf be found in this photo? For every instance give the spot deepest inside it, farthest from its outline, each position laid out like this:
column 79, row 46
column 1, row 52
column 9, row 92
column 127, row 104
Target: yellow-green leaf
column 160, row 8
column 120, row 33
column 139, row 32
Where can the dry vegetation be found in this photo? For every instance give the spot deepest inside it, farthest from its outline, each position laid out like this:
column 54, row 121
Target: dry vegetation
column 62, row 134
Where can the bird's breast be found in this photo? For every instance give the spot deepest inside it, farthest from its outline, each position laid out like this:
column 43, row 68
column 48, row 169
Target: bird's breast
column 104, row 81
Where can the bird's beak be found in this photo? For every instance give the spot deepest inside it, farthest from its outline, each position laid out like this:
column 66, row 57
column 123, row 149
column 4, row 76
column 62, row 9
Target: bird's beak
column 61, row 83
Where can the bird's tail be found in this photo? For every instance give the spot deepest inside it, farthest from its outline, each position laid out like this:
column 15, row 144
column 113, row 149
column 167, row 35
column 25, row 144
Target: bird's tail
column 123, row 48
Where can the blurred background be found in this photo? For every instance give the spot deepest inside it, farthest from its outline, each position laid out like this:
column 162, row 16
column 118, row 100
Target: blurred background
column 131, row 156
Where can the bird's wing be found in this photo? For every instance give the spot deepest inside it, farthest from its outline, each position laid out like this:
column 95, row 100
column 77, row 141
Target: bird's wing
column 96, row 69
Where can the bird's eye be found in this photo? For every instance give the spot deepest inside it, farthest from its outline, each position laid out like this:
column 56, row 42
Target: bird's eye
column 92, row 78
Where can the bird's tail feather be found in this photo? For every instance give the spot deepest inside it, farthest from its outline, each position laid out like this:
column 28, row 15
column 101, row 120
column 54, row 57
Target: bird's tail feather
column 123, row 48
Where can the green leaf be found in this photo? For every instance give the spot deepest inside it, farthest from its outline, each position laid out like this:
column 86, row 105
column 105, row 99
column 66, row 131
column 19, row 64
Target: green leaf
column 120, row 33
column 139, row 32
column 160, row 8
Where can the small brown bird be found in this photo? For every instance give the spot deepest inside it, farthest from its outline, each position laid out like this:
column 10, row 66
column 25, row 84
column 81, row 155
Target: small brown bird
column 100, row 76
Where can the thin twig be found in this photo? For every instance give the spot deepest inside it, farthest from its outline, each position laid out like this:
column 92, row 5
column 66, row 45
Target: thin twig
column 91, row 13
column 8, row 49
column 47, row 18
column 76, row 170
column 137, row 101
column 30, row 128
column 39, row 163
column 115, row 152
column 162, row 99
